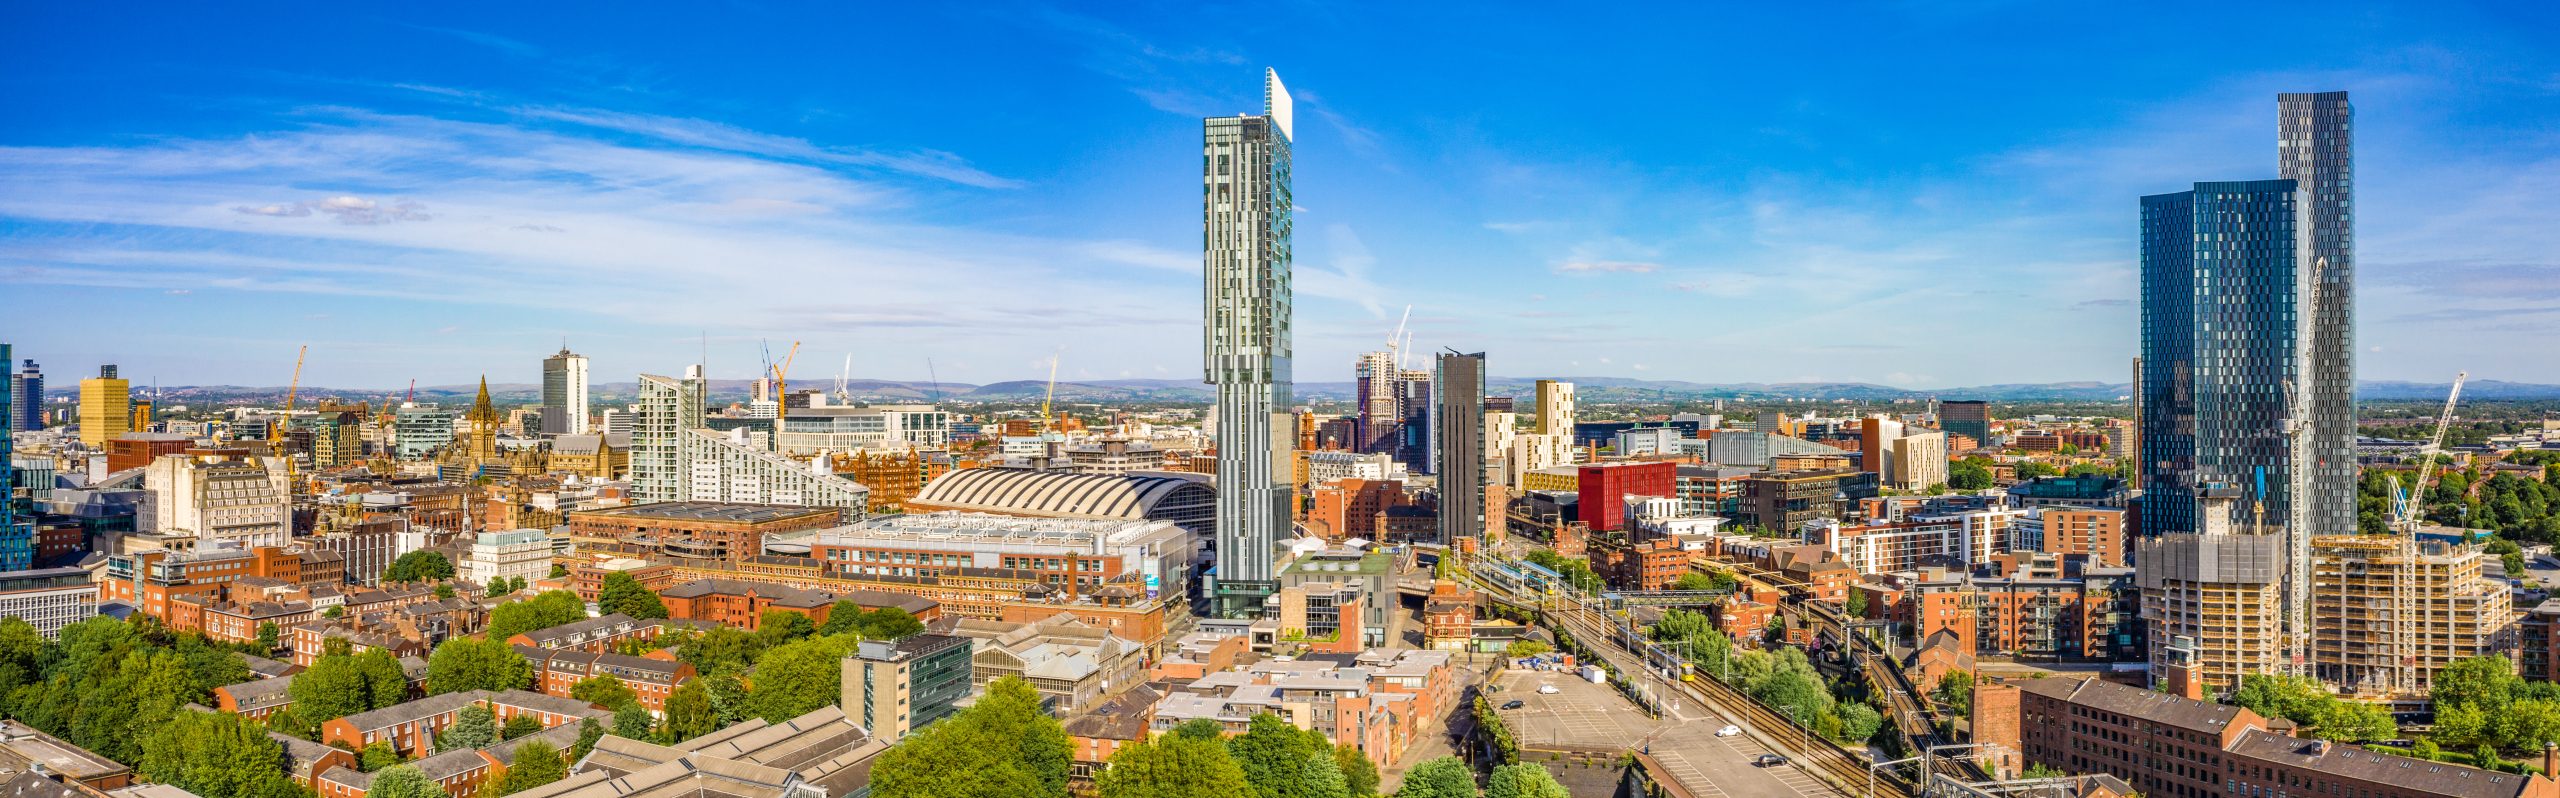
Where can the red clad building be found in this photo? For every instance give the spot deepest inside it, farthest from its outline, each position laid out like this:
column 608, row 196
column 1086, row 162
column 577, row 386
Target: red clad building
column 1604, row 489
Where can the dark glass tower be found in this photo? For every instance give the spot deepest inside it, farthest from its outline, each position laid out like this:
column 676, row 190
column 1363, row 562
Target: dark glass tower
column 2223, row 323
column 17, row 536
column 2316, row 150
column 1457, row 445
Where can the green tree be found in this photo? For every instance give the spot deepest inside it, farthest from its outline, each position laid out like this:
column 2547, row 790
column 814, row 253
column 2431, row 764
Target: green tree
column 331, row 688
column 1003, row 745
column 1200, row 729
column 376, row 756
column 403, row 781
column 474, row 727
column 604, row 691
column 445, row 591
column 520, row 726
column 418, row 566
column 689, row 712
column 634, row 723
column 779, row 626
column 1445, row 777
column 1524, row 780
column 385, row 683
column 1272, row 753
column 793, row 679
column 2487, row 682
column 887, row 623
column 1173, row 766
column 1969, row 474
column 1359, row 775
column 536, row 764
column 2031, row 470
column 624, row 594
column 464, row 663
column 589, row 731
column 1955, row 692
column 1319, row 778
column 1525, row 648
column 269, row 637
column 1011, row 711
column 723, row 649
column 1857, row 603
column 550, row 608
column 217, row 755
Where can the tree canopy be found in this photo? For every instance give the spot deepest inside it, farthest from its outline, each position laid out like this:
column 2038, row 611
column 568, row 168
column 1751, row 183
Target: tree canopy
column 1173, row 766
column 885, row 623
column 795, row 678
column 550, row 608
column 1004, row 745
column 1445, row 777
column 463, row 663
column 624, row 594
column 403, row 781
column 418, row 566
column 605, row 691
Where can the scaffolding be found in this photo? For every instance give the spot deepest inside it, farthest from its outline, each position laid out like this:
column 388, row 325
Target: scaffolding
column 2390, row 611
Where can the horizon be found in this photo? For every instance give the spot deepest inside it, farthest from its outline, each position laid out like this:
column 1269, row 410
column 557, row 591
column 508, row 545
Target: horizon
column 413, row 199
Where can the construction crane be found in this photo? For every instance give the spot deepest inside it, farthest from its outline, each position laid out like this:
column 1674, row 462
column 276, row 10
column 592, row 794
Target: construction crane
column 1049, row 423
column 843, row 376
column 1394, row 339
column 782, row 384
column 275, row 429
column 2413, row 500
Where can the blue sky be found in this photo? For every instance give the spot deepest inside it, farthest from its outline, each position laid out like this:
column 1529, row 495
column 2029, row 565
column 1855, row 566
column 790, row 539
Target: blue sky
column 1922, row 195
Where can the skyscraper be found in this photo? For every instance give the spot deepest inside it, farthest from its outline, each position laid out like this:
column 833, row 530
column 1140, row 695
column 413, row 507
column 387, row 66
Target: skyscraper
column 564, row 393
column 106, row 408
column 1457, row 444
column 2315, row 148
column 26, row 397
column 2223, row 321
column 1967, row 417
column 1375, row 380
column 17, row 539
column 1245, row 216
column 666, row 411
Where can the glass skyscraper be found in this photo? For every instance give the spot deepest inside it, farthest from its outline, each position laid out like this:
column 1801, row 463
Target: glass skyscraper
column 17, row 536
column 1245, row 293
column 2223, row 324
column 2316, row 150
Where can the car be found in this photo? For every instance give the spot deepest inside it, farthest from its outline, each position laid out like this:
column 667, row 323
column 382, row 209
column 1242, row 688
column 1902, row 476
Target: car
column 1548, row 689
column 1514, row 704
column 1768, row 760
column 1729, row 730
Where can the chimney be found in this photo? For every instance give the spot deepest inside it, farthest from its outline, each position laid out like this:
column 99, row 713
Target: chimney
column 2551, row 760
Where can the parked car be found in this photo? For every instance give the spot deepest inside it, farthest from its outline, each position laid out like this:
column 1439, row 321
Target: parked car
column 1548, row 689
column 1729, row 730
column 1514, row 704
column 1768, row 760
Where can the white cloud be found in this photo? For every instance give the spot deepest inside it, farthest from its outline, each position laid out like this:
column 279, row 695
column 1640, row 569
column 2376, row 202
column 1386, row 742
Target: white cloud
column 1606, row 266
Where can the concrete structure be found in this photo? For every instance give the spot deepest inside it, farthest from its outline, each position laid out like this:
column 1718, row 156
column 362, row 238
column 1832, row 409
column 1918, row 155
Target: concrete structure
column 420, row 429
column 1380, row 703
column 217, row 496
column 1183, row 500
column 1114, row 457
column 520, row 554
column 48, row 598
column 823, row 753
column 2388, row 613
column 2099, row 532
column 25, row 749
column 564, row 394
column 667, row 410
column 1555, row 403
column 1368, row 570
column 1076, row 557
column 1607, row 489
column 2168, row 745
column 2211, row 602
column 1902, row 457
column 1457, row 444
column 106, row 408
column 1246, row 332
column 841, row 428
column 1071, row 663
column 707, row 531
column 895, row 687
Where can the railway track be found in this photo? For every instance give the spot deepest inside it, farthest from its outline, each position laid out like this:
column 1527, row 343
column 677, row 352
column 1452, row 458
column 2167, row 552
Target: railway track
column 1824, row 759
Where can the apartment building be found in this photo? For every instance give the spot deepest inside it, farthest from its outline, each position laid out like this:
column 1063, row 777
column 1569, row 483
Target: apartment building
column 556, row 672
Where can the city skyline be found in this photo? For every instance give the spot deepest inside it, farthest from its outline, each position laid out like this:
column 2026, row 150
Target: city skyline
column 283, row 197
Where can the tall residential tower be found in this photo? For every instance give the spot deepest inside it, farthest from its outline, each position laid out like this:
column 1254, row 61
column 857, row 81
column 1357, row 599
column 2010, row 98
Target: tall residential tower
column 2315, row 149
column 564, row 393
column 1245, row 294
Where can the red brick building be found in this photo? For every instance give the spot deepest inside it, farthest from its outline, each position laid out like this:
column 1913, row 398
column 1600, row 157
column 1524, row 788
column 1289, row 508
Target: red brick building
column 1350, row 508
column 741, row 603
column 696, row 531
column 652, row 677
column 1606, row 487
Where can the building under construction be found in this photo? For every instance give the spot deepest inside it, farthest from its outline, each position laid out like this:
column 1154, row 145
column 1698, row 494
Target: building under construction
column 2389, row 611
column 2213, row 602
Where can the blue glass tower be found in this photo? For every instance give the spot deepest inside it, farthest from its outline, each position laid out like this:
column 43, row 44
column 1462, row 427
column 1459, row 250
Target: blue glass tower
column 2225, row 302
column 17, row 535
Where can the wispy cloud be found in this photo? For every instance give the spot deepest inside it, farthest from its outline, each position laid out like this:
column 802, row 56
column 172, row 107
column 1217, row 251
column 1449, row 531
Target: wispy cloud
column 347, row 209
column 1606, row 266
column 718, row 136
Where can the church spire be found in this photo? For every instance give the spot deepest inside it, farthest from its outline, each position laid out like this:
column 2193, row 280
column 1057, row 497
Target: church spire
column 480, row 408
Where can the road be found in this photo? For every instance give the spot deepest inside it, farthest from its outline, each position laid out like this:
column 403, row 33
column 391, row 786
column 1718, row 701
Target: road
column 1581, row 716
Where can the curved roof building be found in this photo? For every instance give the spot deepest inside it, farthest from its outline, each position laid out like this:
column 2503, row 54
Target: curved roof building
column 1058, row 494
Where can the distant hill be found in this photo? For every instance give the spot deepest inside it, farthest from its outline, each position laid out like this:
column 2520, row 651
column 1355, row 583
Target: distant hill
column 1590, row 390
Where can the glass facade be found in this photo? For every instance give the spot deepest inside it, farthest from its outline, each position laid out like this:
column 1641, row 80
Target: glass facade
column 17, row 536
column 2316, row 149
column 1246, row 294
column 2222, row 326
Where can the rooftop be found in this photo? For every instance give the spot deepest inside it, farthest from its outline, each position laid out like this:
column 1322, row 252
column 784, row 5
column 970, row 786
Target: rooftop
column 710, row 511
column 24, row 743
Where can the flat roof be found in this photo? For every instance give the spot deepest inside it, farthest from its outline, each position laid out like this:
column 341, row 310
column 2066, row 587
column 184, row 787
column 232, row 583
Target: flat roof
column 710, row 511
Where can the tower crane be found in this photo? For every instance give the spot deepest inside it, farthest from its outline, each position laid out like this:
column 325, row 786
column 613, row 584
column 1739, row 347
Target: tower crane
column 1394, row 339
column 2414, row 498
column 1049, row 423
column 842, row 376
column 275, row 429
column 782, row 384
